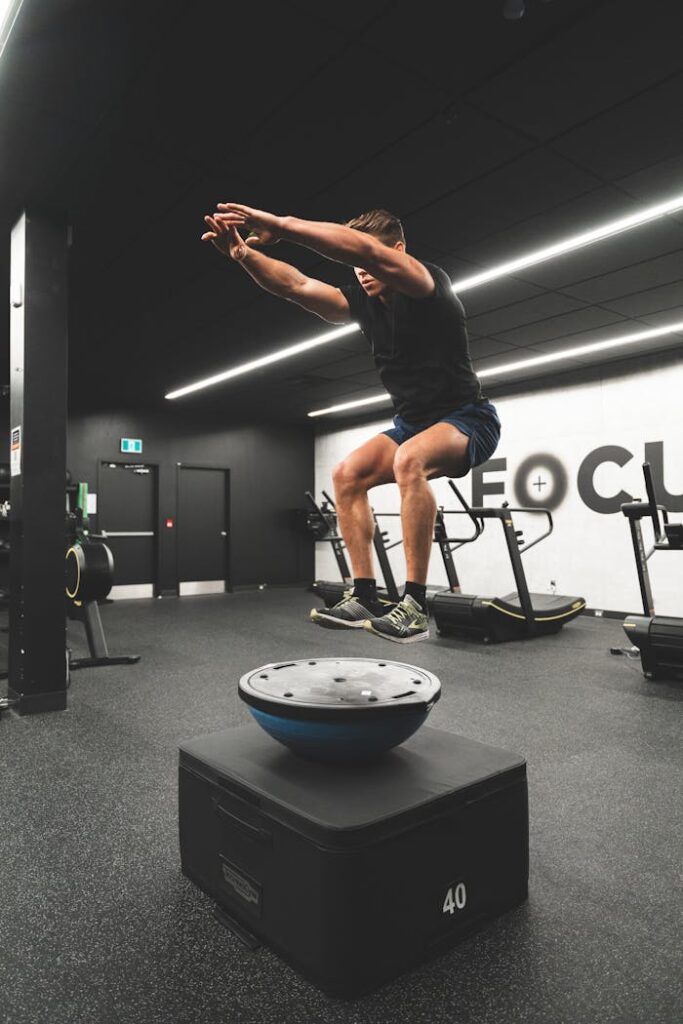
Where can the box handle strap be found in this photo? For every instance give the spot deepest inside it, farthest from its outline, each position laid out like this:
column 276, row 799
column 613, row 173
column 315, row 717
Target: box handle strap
column 259, row 835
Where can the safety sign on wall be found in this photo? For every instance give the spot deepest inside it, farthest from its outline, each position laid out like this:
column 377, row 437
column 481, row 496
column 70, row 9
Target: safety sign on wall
column 15, row 452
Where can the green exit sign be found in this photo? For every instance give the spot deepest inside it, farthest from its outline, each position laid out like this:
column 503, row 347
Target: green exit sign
column 131, row 445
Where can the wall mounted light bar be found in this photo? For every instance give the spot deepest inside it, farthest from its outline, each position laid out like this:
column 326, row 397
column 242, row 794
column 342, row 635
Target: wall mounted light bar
column 570, row 244
column 622, row 341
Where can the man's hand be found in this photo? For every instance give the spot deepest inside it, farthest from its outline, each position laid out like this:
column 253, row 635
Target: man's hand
column 272, row 275
column 263, row 228
column 226, row 239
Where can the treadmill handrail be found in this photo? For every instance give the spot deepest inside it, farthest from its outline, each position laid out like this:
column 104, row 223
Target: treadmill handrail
column 502, row 513
column 465, row 510
column 489, row 512
column 537, row 540
column 461, row 541
column 638, row 509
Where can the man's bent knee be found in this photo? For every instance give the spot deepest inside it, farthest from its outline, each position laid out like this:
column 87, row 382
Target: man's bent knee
column 340, row 476
column 346, row 477
column 408, row 466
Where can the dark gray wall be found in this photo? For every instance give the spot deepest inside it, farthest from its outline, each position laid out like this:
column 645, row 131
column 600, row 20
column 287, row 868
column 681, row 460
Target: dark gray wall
column 270, row 468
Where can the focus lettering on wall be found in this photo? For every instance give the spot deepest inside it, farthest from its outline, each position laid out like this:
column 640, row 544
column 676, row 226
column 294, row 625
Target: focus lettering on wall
column 542, row 481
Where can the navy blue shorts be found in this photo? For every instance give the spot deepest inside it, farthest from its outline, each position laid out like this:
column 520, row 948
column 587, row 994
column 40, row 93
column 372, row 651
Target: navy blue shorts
column 479, row 420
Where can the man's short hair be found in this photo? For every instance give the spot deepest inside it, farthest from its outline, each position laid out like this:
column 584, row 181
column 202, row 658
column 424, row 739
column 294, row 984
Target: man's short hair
column 381, row 224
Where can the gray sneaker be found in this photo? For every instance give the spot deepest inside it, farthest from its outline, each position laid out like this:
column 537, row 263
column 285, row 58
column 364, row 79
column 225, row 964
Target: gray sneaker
column 406, row 623
column 348, row 613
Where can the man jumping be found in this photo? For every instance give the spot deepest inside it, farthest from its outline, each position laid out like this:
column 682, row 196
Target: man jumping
column 443, row 425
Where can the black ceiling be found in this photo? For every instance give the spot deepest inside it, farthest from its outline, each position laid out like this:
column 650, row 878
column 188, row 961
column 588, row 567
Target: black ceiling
column 487, row 136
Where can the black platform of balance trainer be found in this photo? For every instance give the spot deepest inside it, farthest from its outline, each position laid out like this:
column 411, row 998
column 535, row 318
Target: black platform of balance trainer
column 354, row 873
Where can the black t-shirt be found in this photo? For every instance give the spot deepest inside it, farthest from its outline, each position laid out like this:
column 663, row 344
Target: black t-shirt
column 420, row 348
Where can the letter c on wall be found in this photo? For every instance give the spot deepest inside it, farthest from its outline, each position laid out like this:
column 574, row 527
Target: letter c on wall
column 584, row 480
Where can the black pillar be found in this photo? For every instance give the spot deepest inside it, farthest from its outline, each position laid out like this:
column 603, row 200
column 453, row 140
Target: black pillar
column 38, row 390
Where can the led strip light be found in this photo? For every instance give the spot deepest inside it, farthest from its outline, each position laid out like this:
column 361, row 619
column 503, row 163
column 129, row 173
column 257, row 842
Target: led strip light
column 9, row 12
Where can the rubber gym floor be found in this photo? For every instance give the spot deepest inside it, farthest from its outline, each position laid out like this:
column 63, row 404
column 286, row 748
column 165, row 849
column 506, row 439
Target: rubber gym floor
column 98, row 925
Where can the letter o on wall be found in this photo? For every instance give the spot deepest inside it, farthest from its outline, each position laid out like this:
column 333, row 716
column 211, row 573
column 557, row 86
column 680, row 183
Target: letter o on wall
column 552, row 467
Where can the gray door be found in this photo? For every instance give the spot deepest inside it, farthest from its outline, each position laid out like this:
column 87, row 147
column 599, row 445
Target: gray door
column 127, row 517
column 203, row 537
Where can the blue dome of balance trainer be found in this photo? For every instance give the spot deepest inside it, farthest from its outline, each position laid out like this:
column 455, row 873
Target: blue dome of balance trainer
column 340, row 709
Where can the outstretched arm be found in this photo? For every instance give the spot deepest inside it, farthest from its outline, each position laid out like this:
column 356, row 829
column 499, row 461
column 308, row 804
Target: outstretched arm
column 277, row 277
column 393, row 267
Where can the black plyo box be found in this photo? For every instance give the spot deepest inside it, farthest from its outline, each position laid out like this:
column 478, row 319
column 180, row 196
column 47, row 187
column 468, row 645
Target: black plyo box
column 354, row 874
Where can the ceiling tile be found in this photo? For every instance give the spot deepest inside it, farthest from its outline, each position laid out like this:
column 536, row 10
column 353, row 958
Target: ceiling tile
column 421, row 165
column 501, row 199
column 652, row 300
column 633, row 135
column 649, row 274
column 347, row 367
column 483, row 347
column 504, row 292
column 578, row 75
column 562, row 326
column 656, row 182
column 524, row 313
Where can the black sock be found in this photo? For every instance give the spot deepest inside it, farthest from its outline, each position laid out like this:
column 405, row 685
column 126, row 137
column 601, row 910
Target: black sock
column 366, row 593
column 418, row 591
column 365, row 590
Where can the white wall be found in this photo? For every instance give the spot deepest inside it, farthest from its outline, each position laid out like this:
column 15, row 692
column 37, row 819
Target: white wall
column 589, row 553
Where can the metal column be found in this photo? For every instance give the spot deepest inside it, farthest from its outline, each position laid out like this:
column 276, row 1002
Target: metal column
column 38, row 410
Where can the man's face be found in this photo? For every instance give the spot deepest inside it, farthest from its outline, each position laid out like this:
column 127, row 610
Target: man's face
column 370, row 285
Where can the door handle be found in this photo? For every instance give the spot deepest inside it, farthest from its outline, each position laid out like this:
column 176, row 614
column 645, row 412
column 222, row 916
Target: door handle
column 127, row 533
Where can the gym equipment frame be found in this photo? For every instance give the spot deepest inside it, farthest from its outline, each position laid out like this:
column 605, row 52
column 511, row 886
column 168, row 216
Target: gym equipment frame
column 516, row 616
column 657, row 638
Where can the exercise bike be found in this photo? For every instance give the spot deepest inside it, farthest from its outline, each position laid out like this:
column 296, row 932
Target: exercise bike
column 89, row 566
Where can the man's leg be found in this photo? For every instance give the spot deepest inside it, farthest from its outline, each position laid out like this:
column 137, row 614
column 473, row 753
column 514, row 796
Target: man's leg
column 366, row 467
column 440, row 450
